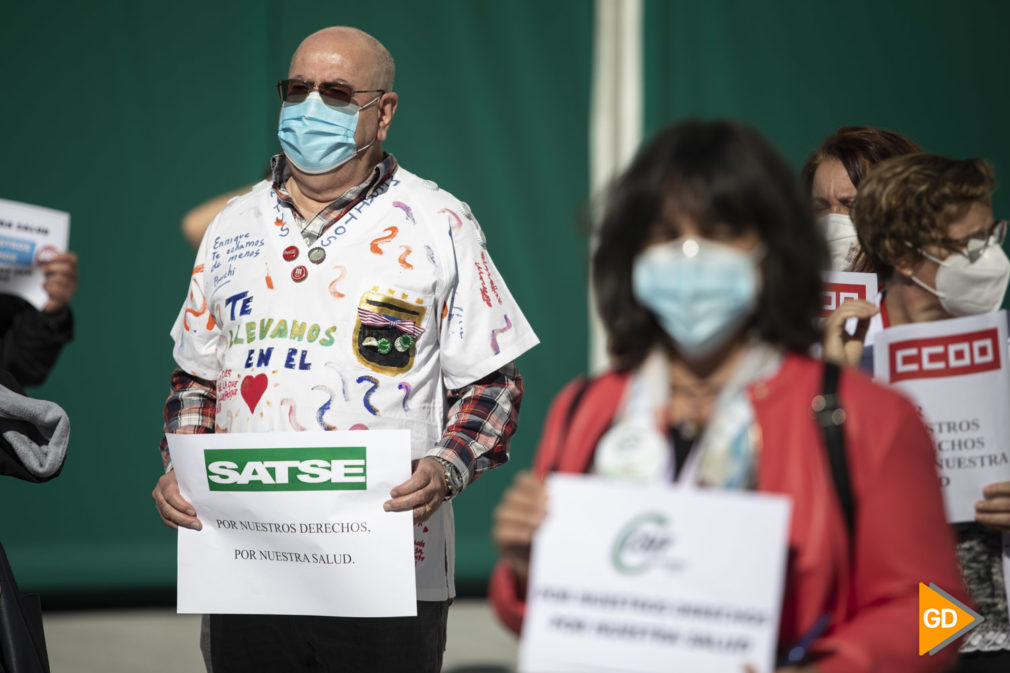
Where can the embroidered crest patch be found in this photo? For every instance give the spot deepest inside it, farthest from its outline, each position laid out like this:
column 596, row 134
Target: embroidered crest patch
column 387, row 329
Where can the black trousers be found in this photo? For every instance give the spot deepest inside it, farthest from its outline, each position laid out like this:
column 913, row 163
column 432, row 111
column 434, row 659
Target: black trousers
column 282, row 643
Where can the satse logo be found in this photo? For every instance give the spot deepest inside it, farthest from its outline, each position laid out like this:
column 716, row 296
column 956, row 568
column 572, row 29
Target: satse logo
column 836, row 294
column 952, row 355
column 331, row 468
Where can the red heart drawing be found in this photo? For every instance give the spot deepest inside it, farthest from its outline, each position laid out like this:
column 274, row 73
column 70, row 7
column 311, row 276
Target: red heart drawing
column 252, row 390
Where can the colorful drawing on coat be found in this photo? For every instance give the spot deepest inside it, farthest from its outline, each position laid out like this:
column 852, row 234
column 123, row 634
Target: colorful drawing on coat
column 490, row 277
column 374, row 245
column 324, row 407
column 366, row 399
column 334, row 292
column 252, row 389
column 457, row 317
column 431, row 254
column 406, row 210
column 495, row 332
column 269, row 280
column 292, row 414
column 197, row 312
column 279, row 222
column 403, row 258
column 340, row 377
column 483, row 286
column 358, row 426
column 455, row 222
column 405, row 387
column 387, row 330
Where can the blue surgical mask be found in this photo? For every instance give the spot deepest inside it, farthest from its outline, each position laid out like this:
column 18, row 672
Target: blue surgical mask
column 317, row 137
column 700, row 291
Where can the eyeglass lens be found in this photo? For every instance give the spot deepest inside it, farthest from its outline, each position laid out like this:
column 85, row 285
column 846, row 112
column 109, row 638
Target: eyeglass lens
column 976, row 245
column 296, row 91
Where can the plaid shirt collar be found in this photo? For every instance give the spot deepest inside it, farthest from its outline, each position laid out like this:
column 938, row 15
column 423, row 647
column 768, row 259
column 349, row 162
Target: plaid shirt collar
column 314, row 228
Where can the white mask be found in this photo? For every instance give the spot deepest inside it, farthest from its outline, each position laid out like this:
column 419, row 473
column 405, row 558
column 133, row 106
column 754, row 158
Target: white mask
column 970, row 288
column 843, row 244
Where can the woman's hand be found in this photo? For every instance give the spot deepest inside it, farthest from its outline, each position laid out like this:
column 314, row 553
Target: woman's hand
column 841, row 347
column 994, row 511
column 516, row 519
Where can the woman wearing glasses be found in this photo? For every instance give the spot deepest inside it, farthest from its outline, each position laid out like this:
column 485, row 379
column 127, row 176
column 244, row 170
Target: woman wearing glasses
column 707, row 276
column 927, row 226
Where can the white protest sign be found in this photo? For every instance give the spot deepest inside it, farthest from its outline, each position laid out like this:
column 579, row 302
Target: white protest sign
column 841, row 286
column 957, row 372
column 647, row 578
column 293, row 524
column 29, row 235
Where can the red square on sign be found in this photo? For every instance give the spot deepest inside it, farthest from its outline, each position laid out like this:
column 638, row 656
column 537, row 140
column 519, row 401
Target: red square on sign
column 835, row 294
column 952, row 355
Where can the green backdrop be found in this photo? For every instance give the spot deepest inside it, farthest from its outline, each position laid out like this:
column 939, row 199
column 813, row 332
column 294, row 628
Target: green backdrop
column 127, row 114
column 932, row 70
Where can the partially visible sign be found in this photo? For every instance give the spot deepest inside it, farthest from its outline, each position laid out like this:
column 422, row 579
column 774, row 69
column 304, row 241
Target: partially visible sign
column 646, row 587
column 957, row 372
column 29, row 236
column 841, row 286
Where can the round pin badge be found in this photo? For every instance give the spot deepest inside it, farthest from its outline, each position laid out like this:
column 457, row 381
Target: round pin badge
column 291, row 253
column 299, row 273
column 317, row 255
column 403, row 343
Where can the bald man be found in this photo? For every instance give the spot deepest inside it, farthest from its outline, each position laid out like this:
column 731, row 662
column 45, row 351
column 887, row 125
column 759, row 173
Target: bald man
column 345, row 272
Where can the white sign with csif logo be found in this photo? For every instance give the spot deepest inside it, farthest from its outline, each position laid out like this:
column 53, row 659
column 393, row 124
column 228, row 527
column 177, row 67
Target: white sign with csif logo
column 647, row 578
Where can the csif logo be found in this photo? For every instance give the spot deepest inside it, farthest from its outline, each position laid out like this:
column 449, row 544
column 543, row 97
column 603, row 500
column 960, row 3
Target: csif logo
column 836, row 294
column 328, row 468
column 951, row 355
column 643, row 543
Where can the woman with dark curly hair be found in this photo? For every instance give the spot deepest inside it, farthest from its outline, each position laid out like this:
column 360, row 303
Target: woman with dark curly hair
column 708, row 281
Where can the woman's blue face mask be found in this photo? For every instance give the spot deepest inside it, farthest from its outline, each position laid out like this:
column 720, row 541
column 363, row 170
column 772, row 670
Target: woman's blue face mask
column 699, row 290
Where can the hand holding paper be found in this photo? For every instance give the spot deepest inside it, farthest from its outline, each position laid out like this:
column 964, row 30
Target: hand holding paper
column 423, row 493
column 516, row 520
column 175, row 510
column 840, row 346
column 60, row 274
column 994, row 510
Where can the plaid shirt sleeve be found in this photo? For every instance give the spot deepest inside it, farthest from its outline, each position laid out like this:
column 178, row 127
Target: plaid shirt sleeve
column 481, row 420
column 189, row 410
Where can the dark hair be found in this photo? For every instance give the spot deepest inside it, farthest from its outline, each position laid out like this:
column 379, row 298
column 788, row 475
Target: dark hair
column 858, row 148
column 722, row 176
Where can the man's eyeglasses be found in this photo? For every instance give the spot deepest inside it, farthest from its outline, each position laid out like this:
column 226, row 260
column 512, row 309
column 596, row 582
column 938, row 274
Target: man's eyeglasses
column 973, row 246
column 336, row 94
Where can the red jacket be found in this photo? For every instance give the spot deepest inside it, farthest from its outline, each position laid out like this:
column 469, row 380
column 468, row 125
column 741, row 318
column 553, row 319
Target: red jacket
column 900, row 536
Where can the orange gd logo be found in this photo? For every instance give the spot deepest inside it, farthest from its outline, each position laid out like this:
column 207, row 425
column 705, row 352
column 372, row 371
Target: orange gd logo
column 942, row 619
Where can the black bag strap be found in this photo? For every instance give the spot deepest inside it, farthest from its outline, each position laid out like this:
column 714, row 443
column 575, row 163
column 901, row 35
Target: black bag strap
column 831, row 417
